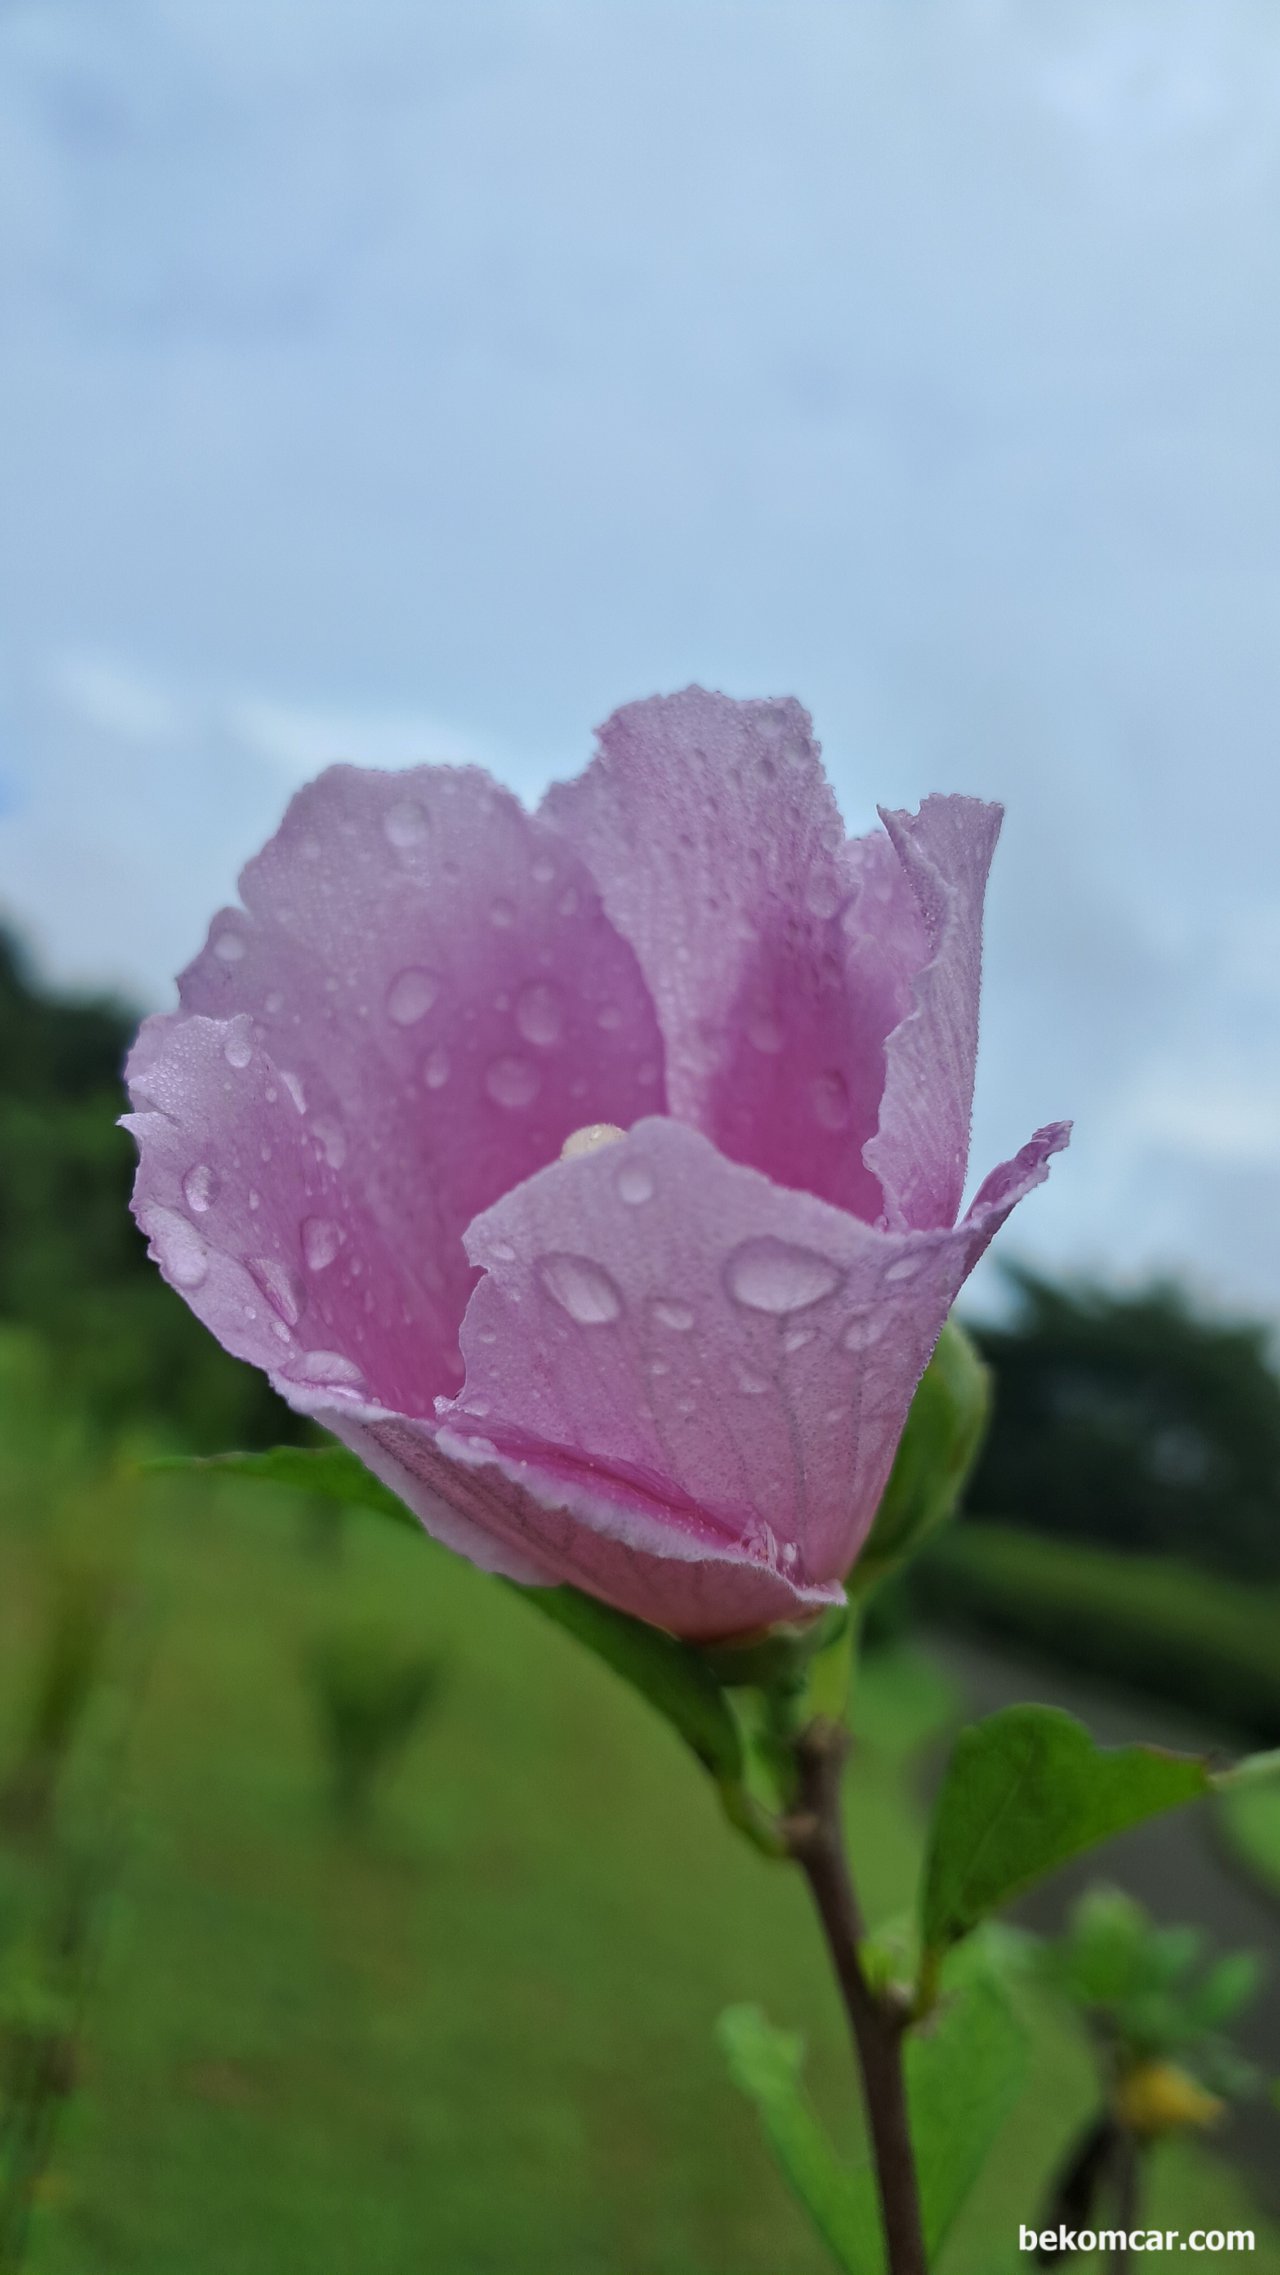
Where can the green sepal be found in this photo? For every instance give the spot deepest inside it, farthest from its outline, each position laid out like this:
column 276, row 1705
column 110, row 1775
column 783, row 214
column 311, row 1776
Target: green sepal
column 1025, row 1790
column 937, row 1451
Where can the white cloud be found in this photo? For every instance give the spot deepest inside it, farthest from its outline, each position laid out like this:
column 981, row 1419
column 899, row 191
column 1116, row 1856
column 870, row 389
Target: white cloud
column 297, row 739
column 118, row 699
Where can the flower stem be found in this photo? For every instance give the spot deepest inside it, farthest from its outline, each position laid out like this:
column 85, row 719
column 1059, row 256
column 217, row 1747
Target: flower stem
column 815, row 1836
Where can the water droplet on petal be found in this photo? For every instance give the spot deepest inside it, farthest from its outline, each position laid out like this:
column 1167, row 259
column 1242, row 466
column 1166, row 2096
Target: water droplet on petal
column 830, row 1096
column 238, row 1047
column 321, row 1240
column 295, row 1090
column 229, row 946
column 199, row 1186
column 406, row 824
column 822, row 893
column 512, row 1083
column 411, row 995
column 764, row 1031
column 180, row 1252
column 502, row 1252
column 589, row 1139
column 751, row 1385
column 635, row 1183
column 502, row 913
column 280, row 1285
column 581, row 1288
column 668, row 1313
column 907, row 1267
column 329, row 1366
column 435, row 1068
column 539, row 1013
column 772, row 1275
column 860, row 1331
column 273, row 1001
column 331, row 1139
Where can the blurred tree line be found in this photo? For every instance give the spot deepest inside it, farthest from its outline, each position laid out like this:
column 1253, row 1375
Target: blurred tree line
column 1135, row 1422
column 73, row 1264
column 1129, row 1420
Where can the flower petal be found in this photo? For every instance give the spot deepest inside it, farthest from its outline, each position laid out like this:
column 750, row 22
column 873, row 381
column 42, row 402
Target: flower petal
column 716, row 841
column 432, row 977
column 920, row 1151
column 682, row 1368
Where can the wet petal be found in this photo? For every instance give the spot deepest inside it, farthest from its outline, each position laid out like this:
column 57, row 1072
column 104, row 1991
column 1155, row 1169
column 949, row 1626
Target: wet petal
column 433, row 978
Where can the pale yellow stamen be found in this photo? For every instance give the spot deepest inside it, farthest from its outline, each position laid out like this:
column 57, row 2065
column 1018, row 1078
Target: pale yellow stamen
column 585, row 1141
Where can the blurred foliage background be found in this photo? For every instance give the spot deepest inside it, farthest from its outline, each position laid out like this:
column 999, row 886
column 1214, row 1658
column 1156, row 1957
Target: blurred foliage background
column 347, row 1916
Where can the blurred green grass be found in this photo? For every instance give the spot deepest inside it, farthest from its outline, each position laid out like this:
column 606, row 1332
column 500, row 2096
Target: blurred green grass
column 478, row 2038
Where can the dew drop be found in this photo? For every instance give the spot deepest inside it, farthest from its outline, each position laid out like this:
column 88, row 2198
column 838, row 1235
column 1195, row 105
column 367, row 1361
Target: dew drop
column 772, row 1275
column 796, row 1338
column 589, row 1139
column 822, row 893
column 280, row 1286
column 238, row 1048
column 279, row 1329
column 321, row 1240
column 502, row 1252
column 635, row 1183
column 179, row 1250
column 907, row 1267
column 411, row 995
column 295, row 1090
column 751, row 1385
column 329, row 1366
column 830, row 1096
column 512, row 1083
column 199, row 1187
column 540, row 1014
column 669, row 1313
column 581, row 1288
column 331, row 1139
column 477, row 1406
column 229, row 947
column 406, row 824
column 255, row 1200
column 273, row 1001
column 860, row 1331
column 764, row 1032
column 502, row 913
column 435, row 1068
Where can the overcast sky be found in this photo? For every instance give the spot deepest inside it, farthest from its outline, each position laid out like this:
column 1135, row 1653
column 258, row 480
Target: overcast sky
column 391, row 380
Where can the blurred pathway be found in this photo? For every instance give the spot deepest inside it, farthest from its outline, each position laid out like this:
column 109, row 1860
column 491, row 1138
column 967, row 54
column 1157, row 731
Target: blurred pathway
column 1175, row 1865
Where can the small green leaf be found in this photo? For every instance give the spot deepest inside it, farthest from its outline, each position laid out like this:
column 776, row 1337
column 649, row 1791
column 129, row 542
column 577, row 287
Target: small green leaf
column 765, row 2064
column 330, row 1472
column 1255, row 1769
column 964, row 2069
column 1026, row 1789
column 939, row 1446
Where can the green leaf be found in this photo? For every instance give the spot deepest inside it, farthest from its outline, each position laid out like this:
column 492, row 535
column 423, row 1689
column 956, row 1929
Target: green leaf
column 672, row 1676
column 330, row 1472
column 765, row 2064
column 1026, row 1789
column 964, row 2070
column 1255, row 1769
column 939, row 1446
